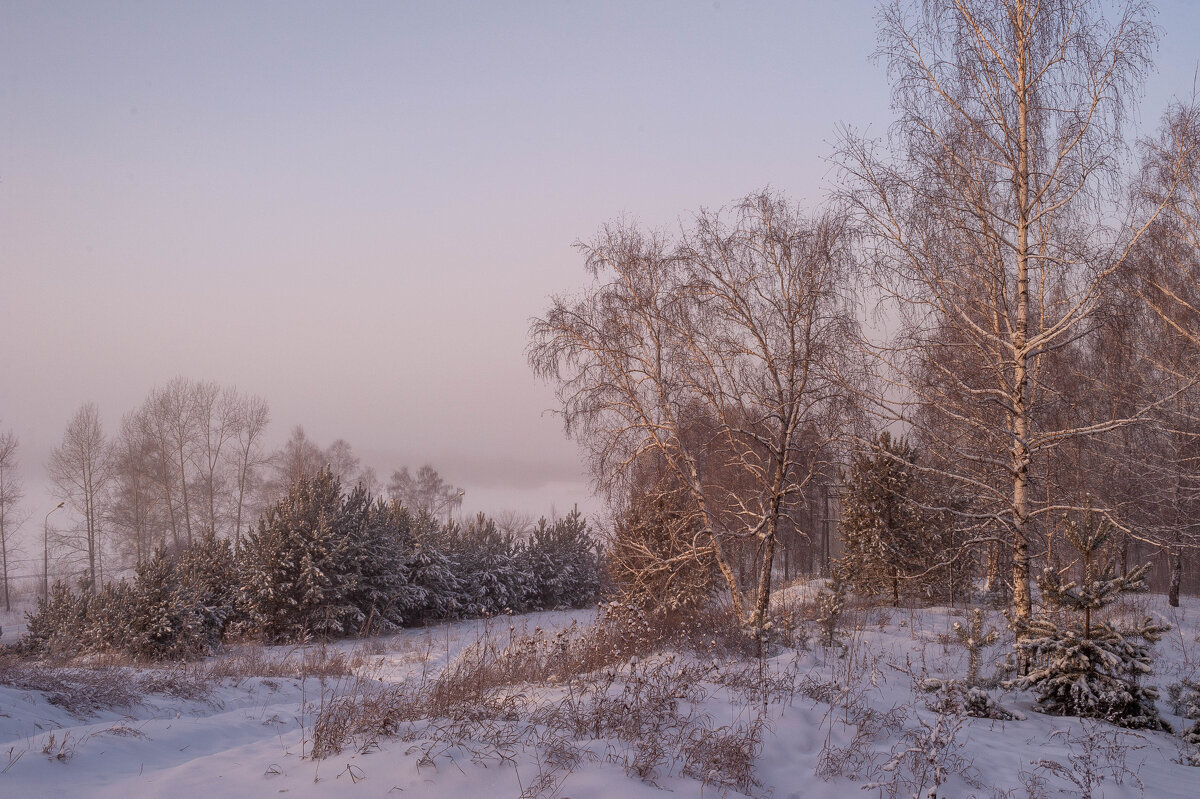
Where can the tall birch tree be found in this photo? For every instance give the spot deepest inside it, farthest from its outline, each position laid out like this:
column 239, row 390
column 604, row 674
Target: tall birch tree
column 998, row 210
column 725, row 355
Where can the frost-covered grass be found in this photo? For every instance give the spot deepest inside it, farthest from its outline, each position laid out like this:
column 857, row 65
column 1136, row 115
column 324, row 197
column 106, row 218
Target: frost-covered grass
column 561, row 705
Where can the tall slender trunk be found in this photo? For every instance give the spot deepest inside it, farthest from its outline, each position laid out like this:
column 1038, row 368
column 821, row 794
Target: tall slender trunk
column 241, row 499
column 1022, row 423
column 1176, row 575
column 4, row 554
column 187, row 513
column 763, row 602
column 89, row 517
column 164, row 477
column 4, row 489
column 991, row 577
column 1177, row 550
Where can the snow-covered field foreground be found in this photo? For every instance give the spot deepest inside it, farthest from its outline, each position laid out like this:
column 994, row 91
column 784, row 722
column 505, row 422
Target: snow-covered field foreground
column 554, row 705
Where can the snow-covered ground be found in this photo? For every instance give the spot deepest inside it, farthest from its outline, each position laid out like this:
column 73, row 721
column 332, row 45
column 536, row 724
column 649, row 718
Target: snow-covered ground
column 12, row 623
column 824, row 722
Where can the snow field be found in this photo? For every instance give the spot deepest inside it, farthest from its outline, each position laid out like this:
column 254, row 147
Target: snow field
column 809, row 721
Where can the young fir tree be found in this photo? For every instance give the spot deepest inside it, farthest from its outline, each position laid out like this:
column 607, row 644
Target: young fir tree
column 166, row 619
column 1090, row 667
column 975, row 639
column 205, row 569
column 891, row 545
column 1185, row 695
column 830, row 603
column 56, row 628
column 385, row 554
column 300, row 566
column 562, row 565
column 437, row 589
column 490, row 564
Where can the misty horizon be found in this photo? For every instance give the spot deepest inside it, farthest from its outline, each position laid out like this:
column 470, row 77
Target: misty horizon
column 354, row 213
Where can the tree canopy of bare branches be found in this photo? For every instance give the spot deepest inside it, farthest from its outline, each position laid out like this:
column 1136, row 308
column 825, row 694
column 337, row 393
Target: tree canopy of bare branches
column 997, row 220
column 425, row 492
column 11, row 493
column 723, row 358
column 81, row 468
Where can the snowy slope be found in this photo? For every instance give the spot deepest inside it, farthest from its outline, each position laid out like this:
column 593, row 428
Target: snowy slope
column 847, row 719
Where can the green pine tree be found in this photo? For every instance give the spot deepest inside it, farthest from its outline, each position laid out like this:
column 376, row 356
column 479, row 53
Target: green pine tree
column 1090, row 667
column 300, row 569
column 892, row 545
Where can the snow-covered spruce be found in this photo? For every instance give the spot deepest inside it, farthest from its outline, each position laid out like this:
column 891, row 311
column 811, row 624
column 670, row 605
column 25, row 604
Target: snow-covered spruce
column 830, row 602
column 560, row 559
column 324, row 563
column 894, row 546
column 1186, row 696
column 970, row 694
column 1088, row 667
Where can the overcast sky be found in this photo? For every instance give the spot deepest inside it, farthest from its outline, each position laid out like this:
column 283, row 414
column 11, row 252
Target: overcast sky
column 353, row 209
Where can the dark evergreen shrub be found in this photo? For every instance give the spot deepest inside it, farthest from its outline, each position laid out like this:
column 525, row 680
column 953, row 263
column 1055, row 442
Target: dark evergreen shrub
column 300, row 565
column 489, row 565
column 55, row 629
column 562, row 564
column 893, row 545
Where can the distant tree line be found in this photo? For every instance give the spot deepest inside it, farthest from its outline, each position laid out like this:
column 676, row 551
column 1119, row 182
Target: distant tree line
column 191, row 461
column 321, row 562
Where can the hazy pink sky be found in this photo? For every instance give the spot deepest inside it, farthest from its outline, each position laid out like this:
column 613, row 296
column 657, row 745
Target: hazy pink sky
column 353, row 209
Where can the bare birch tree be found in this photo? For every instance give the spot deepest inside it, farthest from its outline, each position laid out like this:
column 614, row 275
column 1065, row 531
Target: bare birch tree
column 999, row 214
column 726, row 355
column 217, row 413
column 1167, row 281
column 248, row 456
column 81, row 469
column 341, row 460
column 299, row 458
column 176, row 416
column 1168, row 276
column 425, row 492
column 135, row 510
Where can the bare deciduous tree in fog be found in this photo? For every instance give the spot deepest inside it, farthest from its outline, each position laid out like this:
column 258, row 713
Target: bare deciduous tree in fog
column 11, row 494
column 999, row 215
column 81, row 468
column 176, row 415
column 425, row 492
column 217, row 414
column 135, row 511
column 341, row 460
column 1167, row 280
column 742, row 327
column 248, row 457
column 208, row 479
column 299, row 458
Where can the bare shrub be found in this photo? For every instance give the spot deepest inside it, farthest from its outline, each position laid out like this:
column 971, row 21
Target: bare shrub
column 80, row 691
column 928, row 755
column 181, row 680
column 1094, row 755
column 725, row 756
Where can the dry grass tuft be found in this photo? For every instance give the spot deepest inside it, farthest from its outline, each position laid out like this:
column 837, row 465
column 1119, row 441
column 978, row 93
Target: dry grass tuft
column 608, row 688
column 88, row 685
